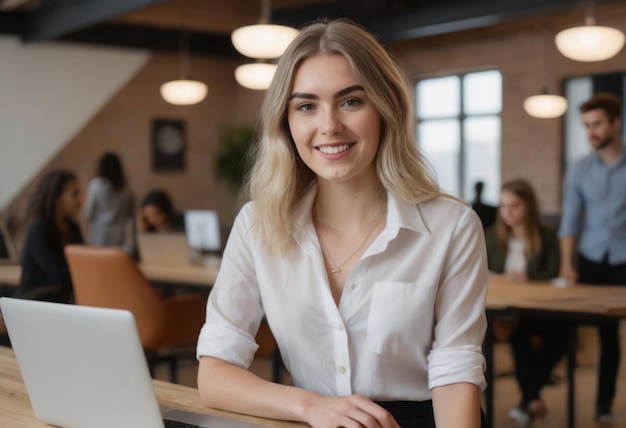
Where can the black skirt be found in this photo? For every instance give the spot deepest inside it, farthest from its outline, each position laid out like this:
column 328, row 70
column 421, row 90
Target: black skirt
column 416, row 414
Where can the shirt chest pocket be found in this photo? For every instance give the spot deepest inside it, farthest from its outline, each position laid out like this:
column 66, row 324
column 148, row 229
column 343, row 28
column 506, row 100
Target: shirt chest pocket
column 400, row 317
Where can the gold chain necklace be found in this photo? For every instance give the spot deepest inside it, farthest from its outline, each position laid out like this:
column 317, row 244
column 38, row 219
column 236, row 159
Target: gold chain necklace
column 337, row 268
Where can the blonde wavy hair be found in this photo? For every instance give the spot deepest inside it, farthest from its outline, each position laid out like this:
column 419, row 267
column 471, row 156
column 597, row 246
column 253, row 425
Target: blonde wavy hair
column 279, row 178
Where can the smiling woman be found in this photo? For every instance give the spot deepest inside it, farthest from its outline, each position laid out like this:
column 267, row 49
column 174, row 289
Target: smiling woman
column 371, row 280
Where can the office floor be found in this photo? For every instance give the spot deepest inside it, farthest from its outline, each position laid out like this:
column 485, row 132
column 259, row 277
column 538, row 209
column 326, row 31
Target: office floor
column 506, row 391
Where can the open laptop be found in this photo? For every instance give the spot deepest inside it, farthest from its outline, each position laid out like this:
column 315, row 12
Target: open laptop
column 84, row 367
column 164, row 249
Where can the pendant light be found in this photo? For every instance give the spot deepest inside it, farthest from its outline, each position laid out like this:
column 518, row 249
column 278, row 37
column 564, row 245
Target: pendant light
column 590, row 42
column 545, row 105
column 256, row 75
column 262, row 42
column 184, row 91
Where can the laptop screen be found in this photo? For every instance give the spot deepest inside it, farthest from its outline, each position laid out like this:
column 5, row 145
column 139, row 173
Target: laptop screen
column 203, row 230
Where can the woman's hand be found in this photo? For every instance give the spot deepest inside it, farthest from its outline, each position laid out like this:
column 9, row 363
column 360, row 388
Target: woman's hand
column 351, row 411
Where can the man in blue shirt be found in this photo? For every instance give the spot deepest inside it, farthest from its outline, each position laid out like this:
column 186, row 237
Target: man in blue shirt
column 593, row 226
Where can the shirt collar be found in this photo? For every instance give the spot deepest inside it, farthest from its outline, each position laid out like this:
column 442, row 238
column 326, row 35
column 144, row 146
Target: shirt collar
column 400, row 215
column 621, row 160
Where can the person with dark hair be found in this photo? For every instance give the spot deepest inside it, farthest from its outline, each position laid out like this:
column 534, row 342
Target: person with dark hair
column 53, row 212
column 156, row 213
column 372, row 280
column 109, row 206
column 593, row 226
column 521, row 248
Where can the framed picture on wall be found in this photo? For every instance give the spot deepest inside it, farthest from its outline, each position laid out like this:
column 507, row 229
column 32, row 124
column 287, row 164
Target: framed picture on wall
column 168, row 144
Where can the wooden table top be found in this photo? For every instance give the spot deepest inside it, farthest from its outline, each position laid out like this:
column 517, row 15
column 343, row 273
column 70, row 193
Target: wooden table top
column 501, row 293
column 197, row 275
column 596, row 300
column 16, row 412
column 10, row 274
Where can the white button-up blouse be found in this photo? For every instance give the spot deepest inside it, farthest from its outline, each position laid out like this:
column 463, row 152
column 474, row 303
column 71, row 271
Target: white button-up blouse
column 411, row 316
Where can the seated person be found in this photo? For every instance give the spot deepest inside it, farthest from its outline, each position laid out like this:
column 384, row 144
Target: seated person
column 156, row 214
column 54, row 210
column 520, row 248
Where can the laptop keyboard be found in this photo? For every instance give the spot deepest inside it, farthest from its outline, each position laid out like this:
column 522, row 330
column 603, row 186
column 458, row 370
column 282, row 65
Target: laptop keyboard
column 176, row 424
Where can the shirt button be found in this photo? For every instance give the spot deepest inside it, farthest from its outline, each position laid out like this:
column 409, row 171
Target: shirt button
column 342, row 369
column 340, row 327
column 353, row 286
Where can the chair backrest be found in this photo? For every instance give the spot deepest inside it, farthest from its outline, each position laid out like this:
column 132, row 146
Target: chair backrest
column 108, row 277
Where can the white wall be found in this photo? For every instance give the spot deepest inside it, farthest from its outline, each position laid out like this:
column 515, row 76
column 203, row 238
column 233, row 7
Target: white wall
column 48, row 92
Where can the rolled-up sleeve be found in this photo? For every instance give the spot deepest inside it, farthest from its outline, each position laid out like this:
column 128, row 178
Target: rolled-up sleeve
column 461, row 322
column 573, row 204
column 234, row 308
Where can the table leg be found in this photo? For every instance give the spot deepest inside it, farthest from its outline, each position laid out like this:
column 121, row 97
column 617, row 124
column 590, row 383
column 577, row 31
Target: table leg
column 571, row 371
column 488, row 352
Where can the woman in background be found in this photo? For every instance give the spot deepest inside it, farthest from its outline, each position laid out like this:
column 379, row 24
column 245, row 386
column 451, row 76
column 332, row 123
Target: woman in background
column 156, row 213
column 521, row 249
column 53, row 210
column 109, row 206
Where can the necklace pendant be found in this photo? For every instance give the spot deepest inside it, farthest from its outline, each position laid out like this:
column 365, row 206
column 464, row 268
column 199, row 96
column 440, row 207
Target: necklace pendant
column 336, row 270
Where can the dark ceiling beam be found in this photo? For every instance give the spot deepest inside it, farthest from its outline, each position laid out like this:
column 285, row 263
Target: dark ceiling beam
column 153, row 38
column 54, row 18
column 447, row 17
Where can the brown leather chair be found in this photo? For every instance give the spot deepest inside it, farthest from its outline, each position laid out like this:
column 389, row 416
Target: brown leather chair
column 108, row 277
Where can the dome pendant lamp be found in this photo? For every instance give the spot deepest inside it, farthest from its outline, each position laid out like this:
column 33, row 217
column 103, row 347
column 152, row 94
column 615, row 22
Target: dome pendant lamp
column 545, row 105
column 184, row 91
column 263, row 42
column 590, row 42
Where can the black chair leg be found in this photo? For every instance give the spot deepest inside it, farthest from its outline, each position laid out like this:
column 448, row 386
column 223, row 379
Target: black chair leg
column 277, row 366
column 173, row 369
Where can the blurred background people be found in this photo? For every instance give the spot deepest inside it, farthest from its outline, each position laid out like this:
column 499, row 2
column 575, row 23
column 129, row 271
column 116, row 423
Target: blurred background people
column 487, row 213
column 593, row 227
column 109, row 206
column 157, row 214
column 53, row 213
column 521, row 248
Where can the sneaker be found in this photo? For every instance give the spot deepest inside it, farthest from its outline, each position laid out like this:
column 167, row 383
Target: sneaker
column 521, row 418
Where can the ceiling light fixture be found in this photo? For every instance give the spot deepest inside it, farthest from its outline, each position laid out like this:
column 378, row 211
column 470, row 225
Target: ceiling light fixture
column 545, row 105
column 590, row 42
column 184, row 91
column 262, row 42
column 257, row 75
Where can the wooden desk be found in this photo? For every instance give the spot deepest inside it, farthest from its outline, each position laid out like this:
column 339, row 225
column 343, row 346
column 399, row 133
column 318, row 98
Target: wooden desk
column 575, row 305
column 10, row 275
column 16, row 412
column 201, row 276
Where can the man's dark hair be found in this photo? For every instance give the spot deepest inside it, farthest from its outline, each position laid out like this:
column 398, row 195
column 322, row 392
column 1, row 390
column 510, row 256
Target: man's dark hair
column 611, row 104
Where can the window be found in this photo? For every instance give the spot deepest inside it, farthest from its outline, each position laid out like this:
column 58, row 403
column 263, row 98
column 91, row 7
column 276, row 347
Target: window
column 458, row 131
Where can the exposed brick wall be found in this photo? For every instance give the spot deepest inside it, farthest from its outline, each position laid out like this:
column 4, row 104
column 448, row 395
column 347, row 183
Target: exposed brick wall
column 531, row 148
column 124, row 126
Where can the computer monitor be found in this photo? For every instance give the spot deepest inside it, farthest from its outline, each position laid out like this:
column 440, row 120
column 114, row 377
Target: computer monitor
column 203, row 230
